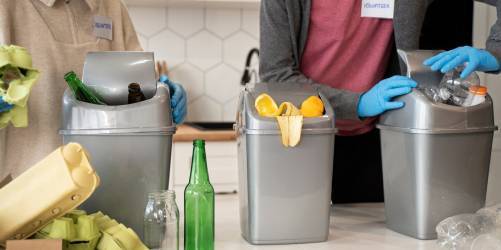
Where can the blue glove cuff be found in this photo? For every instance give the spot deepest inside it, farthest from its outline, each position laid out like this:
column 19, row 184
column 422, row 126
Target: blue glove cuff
column 164, row 79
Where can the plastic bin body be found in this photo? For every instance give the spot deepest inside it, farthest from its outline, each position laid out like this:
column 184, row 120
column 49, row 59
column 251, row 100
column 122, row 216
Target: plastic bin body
column 130, row 145
column 284, row 192
column 435, row 158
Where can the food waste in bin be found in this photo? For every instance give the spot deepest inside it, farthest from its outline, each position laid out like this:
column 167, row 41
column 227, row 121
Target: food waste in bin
column 455, row 91
column 17, row 77
column 289, row 117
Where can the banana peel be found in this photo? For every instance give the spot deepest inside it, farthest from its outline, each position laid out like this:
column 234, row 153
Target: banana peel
column 290, row 128
column 289, row 118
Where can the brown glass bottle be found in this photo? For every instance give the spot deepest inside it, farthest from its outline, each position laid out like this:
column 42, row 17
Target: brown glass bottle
column 135, row 93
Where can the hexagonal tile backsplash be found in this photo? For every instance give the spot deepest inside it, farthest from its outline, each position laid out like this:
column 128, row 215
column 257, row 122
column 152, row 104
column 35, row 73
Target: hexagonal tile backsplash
column 205, row 49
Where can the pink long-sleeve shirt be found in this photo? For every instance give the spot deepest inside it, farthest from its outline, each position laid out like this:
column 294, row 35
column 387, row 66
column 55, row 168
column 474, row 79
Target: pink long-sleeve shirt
column 346, row 51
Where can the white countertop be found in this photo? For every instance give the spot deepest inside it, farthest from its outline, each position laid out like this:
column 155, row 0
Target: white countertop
column 353, row 226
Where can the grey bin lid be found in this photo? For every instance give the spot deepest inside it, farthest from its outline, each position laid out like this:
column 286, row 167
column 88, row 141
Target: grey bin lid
column 252, row 123
column 421, row 115
column 111, row 72
column 149, row 116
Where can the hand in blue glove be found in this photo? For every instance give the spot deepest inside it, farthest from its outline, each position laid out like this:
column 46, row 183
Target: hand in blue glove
column 475, row 59
column 177, row 99
column 5, row 106
column 378, row 99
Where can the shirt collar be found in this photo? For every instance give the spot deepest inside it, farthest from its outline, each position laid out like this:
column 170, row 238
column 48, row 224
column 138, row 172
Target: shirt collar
column 92, row 3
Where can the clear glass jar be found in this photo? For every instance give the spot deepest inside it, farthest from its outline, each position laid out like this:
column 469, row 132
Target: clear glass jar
column 161, row 221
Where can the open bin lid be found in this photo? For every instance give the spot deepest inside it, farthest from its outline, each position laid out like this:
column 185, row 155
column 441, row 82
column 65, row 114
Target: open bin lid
column 252, row 123
column 421, row 115
column 109, row 73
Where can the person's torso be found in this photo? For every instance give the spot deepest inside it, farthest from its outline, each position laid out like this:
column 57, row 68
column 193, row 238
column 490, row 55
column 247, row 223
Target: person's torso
column 346, row 51
column 58, row 39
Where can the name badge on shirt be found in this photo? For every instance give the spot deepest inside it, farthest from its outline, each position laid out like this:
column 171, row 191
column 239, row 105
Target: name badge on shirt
column 378, row 8
column 103, row 27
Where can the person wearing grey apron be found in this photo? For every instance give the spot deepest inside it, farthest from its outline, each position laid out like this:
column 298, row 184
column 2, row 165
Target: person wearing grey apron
column 58, row 34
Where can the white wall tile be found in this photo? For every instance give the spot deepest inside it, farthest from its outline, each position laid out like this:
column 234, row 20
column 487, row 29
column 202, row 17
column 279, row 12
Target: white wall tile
column 230, row 110
column 204, row 109
column 194, row 41
column 250, row 22
column 168, row 46
column 191, row 78
column 222, row 83
column 185, row 21
column 223, row 22
column 236, row 47
column 148, row 21
column 204, row 50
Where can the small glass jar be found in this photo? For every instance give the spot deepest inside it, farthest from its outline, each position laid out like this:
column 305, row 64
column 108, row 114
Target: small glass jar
column 161, row 221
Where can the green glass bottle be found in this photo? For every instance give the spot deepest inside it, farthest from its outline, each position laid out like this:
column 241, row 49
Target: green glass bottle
column 199, row 204
column 81, row 91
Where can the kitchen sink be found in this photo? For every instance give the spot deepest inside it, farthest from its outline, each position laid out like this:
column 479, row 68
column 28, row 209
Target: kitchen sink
column 211, row 125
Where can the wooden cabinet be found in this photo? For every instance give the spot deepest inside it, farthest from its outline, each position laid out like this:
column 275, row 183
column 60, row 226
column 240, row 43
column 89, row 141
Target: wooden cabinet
column 221, row 161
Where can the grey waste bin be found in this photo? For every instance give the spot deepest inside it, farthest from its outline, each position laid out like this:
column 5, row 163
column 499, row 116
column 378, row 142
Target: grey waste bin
column 130, row 145
column 284, row 192
column 435, row 156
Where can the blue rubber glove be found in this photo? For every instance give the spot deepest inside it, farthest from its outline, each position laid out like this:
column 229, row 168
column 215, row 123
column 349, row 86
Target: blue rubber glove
column 178, row 99
column 5, row 106
column 475, row 59
column 379, row 99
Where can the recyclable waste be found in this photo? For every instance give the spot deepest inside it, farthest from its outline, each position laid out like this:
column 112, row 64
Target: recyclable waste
column 479, row 231
column 289, row 117
column 199, row 206
column 161, row 221
column 17, row 77
column 54, row 186
column 80, row 231
column 81, row 91
column 455, row 91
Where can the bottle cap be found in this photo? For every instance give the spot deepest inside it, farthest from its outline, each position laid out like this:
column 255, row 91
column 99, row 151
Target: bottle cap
column 478, row 90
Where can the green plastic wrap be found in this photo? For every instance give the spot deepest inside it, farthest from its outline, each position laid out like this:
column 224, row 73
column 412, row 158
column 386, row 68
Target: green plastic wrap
column 17, row 77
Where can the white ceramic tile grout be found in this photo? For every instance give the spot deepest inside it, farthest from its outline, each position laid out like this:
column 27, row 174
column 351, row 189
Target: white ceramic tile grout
column 215, row 54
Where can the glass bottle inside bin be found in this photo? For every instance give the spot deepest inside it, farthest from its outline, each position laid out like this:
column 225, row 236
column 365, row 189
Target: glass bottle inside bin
column 135, row 93
column 199, row 204
column 81, row 91
column 161, row 221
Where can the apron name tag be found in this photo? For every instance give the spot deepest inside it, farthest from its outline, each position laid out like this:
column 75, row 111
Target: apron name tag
column 103, row 27
column 378, row 8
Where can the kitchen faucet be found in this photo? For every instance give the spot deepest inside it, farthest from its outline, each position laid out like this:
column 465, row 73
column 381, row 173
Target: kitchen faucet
column 249, row 71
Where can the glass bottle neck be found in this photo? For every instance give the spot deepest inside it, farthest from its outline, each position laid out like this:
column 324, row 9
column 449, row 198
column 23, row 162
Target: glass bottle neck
column 199, row 173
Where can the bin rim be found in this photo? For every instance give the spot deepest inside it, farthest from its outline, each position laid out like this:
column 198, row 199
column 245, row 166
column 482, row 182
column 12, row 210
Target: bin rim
column 314, row 131
column 120, row 131
column 438, row 130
